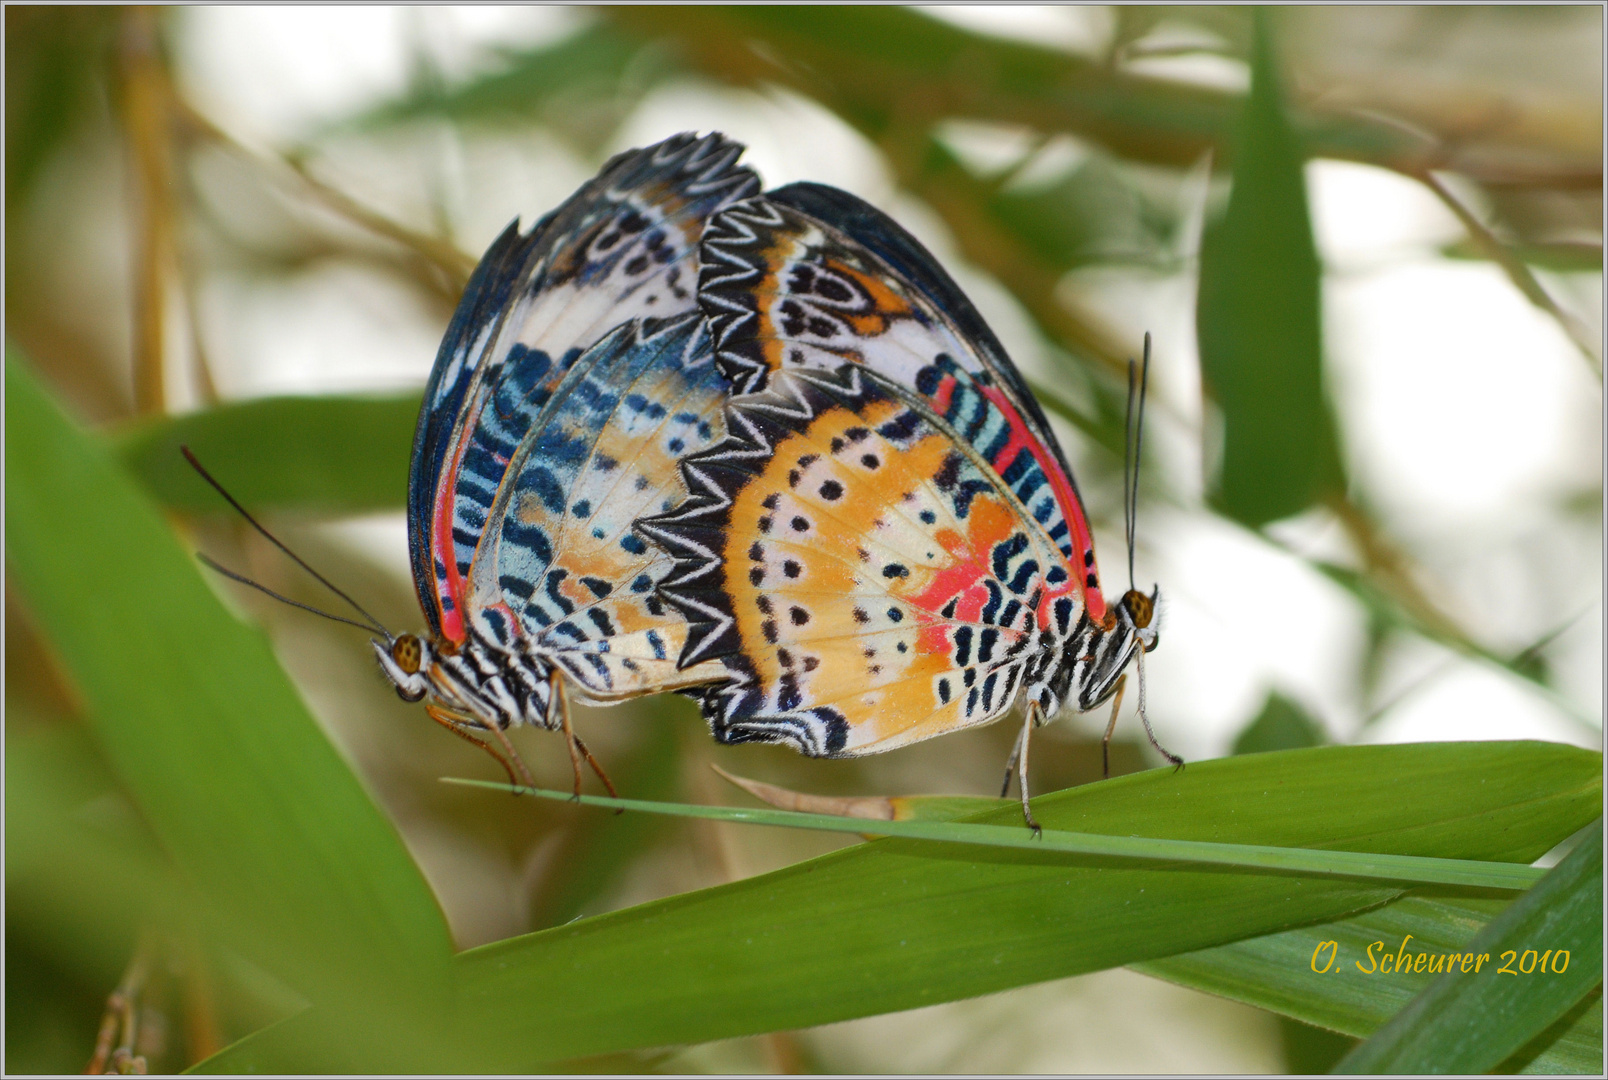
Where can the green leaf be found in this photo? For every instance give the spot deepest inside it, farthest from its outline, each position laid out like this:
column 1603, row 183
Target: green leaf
column 894, row 924
column 1281, row 725
column 1259, row 324
column 315, row 455
column 598, row 848
column 67, row 837
column 1272, row 971
column 237, row 782
column 1472, row 1022
column 1563, row 256
column 1398, row 868
column 1322, row 975
column 1309, row 1049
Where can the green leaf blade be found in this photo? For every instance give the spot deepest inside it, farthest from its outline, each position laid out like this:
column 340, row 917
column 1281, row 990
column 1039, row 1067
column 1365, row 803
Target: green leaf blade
column 1326, row 975
column 1472, row 1022
column 895, row 924
column 1259, row 321
column 244, row 792
column 313, row 455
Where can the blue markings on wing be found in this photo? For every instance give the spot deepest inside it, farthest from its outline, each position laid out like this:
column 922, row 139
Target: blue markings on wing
column 981, row 423
column 522, row 386
column 651, row 409
column 539, row 480
column 462, row 350
column 628, row 219
column 598, row 402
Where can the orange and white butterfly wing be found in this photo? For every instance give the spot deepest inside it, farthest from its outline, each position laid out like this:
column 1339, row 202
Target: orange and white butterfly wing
column 865, row 580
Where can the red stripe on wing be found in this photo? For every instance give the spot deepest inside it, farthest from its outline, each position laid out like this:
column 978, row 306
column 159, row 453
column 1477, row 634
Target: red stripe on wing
column 1071, row 507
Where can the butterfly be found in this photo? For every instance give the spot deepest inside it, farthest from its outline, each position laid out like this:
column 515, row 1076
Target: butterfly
column 888, row 544
column 575, row 373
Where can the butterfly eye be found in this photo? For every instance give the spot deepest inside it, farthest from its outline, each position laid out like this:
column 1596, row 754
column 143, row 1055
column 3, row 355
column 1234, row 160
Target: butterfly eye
column 1141, row 609
column 409, row 656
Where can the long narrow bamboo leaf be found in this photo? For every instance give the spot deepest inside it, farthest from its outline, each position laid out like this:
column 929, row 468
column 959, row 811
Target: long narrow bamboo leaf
column 1291, row 973
column 1334, row 974
column 899, row 923
column 1395, row 868
column 333, row 455
column 1469, row 1022
column 244, row 792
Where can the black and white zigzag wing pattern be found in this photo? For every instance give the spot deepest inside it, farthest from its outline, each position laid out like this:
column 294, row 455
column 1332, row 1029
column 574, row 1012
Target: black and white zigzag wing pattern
column 865, row 580
column 808, row 277
column 561, row 571
column 623, row 247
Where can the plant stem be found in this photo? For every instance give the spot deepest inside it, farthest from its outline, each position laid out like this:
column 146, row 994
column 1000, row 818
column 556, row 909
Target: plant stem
column 1517, row 272
column 146, row 121
column 442, row 254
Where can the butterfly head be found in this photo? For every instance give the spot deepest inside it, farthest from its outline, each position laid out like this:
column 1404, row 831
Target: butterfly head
column 406, row 661
column 485, row 686
column 1139, row 611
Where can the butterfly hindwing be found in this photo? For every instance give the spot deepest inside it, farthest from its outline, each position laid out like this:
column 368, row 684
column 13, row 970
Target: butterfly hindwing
column 563, row 568
column 866, row 582
column 810, row 277
column 623, row 247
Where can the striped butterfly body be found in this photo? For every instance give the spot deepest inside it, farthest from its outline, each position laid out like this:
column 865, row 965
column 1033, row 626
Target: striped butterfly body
column 575, row 373
column 888, row 544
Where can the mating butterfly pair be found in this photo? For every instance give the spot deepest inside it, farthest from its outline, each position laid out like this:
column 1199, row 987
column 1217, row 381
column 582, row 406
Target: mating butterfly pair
column 757, row 448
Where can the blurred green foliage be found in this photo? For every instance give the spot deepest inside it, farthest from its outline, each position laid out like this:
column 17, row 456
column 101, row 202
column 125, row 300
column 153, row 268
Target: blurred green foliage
column 1281, row 725
column 164, row 778
column 56, row 69
column 1259, row 327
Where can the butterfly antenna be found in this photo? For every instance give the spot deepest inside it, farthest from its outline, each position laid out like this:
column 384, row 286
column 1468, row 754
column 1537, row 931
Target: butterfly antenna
column 372, row 624
column 1132, row 492
column 232, row 576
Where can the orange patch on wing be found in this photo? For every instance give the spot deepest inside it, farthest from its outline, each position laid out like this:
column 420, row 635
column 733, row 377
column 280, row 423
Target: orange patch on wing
column 774, row 257
column 887, row 305
column 840, row 605
column 989, row 522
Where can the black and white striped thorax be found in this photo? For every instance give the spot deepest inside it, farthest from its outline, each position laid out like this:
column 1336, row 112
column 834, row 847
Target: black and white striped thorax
column 1082, row 669
column 484, row 682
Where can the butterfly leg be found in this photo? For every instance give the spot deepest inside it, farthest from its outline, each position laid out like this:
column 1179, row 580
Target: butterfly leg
column 1178, row 762
column 1010, row 766
column 458, row 727
column 557, row 699
column 1021, row 769
column 598, row 769
column 1105, row 743
column 577, row 749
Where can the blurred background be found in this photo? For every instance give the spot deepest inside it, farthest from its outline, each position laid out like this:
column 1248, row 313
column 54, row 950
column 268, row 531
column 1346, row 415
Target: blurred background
column 212, row 204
